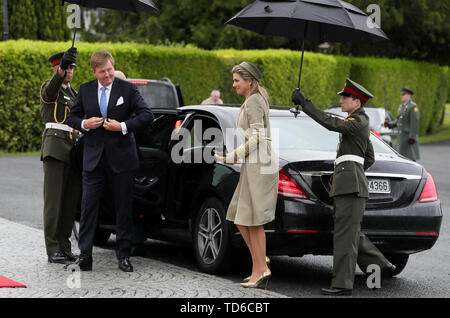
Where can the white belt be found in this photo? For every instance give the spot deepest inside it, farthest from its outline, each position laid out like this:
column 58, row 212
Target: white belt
column 58, row 126
column 354, row 158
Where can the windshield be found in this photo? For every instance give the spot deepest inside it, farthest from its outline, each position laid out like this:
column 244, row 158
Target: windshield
column 304, row 133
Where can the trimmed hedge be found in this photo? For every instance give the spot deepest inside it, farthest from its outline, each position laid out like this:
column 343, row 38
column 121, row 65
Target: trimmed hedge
column 24, row 66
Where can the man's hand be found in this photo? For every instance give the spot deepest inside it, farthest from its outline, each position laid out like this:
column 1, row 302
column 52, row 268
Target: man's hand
column 112, row 125
column 69, row 57
column 93, row 122
column 298, row 98
column 386, row 123
column 411, row 141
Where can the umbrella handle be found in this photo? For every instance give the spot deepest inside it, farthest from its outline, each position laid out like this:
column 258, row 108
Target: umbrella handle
column 74, row 35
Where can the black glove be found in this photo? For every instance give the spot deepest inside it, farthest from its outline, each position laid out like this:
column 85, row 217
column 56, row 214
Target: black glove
column 411, row 141
column 386, row 124
column 298, row 98
column 69, row 57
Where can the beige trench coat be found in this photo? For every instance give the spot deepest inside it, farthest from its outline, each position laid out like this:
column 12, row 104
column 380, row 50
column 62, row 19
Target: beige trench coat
column 255, row 197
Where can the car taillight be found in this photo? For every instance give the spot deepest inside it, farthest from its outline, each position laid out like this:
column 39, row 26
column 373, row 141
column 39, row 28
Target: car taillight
column 288, row 187
column 178, row 124
column 376, row 132
column 429, row 192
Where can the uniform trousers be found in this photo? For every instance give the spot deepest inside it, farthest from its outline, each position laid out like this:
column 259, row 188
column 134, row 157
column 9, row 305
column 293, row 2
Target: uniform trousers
column 62, row 187
column 350, row 245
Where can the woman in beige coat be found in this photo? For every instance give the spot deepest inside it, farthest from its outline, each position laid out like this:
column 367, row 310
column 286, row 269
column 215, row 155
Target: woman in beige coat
column 254, row 200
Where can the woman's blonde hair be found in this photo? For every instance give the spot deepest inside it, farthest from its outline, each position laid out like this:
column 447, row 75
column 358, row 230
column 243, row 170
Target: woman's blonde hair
column 255, row 87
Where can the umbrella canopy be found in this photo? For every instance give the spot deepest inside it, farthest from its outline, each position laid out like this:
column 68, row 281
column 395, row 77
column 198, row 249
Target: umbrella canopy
column 124, row 5
column 315, row 20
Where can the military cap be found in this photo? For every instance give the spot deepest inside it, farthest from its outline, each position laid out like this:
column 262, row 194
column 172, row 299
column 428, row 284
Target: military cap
column 57, row 58
column 252, row 69
column 407, row 91
column 352, row 88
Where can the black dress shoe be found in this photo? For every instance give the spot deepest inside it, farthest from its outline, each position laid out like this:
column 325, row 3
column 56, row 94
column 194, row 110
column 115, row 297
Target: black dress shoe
column 388, row 270
column 125, row 265
column 84, row 263
column 70, row 256
column 332, row 291
column 58, row 257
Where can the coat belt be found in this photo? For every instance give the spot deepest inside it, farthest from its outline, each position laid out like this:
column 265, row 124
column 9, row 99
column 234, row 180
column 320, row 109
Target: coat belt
column 354, row 158
column 58, row 126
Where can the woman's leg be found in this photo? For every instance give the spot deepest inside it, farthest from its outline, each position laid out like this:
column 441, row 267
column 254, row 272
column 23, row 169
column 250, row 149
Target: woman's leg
column 246, row 235
column 258, row 247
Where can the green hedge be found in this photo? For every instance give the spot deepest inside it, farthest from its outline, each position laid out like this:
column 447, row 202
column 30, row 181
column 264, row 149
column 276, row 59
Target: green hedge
column 24, row 66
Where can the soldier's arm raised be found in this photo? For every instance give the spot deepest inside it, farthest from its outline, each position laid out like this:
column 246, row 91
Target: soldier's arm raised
column 50, row 89
column 345, row 126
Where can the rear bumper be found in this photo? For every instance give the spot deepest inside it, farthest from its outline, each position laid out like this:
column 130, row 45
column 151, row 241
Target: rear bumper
column 304, row 227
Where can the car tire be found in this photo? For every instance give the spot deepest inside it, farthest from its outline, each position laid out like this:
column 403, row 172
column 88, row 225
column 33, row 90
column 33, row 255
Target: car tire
column 101, row 236
column 211, row 237
column 399, row 260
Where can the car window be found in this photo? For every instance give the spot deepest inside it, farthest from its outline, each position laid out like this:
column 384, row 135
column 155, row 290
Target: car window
column 158, row 94
column 304, row 133
column 157, row 135
column 203, row 131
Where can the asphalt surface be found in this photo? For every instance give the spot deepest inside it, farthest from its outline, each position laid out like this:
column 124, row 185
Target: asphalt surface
column 426, row 275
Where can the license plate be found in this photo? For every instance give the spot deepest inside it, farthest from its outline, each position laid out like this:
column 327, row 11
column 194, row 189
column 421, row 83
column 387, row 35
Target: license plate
column 379, row 186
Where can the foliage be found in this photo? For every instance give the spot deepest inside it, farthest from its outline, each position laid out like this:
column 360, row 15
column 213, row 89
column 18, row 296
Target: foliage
column 418, row 29
column 37, row 20
column 24, row 67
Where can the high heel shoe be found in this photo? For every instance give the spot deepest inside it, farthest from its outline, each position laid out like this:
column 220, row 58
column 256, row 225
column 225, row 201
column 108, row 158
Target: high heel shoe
column 246, row 279
column 263, row 279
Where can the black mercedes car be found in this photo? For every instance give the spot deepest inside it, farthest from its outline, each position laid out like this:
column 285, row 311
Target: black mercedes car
column 181, row 193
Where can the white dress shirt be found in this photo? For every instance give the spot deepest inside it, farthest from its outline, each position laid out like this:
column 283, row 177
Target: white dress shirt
column 108, row 93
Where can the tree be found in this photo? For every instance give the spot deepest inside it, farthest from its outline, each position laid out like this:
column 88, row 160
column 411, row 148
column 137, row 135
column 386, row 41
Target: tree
column 418, row 29
column 37, row 20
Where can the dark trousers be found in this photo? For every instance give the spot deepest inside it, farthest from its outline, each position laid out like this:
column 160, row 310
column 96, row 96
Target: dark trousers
column 94, row 183
column 350, row 245
column 62, row 187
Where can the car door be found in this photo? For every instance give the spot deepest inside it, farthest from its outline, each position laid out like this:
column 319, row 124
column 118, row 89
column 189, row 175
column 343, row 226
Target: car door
column 154, row 159
column 195, row 166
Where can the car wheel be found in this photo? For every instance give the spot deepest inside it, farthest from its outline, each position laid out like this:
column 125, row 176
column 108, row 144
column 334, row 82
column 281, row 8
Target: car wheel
column 399, row 260
column 211, row 237
column 101, row 236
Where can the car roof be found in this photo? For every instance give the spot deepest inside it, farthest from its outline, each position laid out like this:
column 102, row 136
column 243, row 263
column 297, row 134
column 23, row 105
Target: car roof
column 234, row 109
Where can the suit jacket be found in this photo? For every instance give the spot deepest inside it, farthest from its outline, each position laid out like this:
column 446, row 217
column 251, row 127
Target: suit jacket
column 348, row 176
column 120, row 149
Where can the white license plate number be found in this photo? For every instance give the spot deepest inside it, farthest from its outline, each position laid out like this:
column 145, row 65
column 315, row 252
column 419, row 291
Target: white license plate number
column 379, row 186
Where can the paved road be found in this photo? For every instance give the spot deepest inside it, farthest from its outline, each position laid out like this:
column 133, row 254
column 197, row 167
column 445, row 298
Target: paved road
column 426, row 275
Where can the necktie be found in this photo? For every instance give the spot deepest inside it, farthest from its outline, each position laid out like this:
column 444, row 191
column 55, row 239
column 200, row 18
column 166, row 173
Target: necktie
column 103, row 103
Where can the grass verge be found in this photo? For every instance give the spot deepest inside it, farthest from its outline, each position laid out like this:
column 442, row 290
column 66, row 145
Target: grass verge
column 442, row 134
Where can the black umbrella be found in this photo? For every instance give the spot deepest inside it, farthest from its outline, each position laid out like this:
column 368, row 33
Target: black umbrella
column 123, row 5
column 316, row 20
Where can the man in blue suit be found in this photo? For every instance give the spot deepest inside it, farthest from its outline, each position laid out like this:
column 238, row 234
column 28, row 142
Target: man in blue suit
column 110, row 153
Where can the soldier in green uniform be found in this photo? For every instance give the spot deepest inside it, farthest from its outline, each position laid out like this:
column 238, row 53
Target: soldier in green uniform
column 407, row 122
column 62, row 183
column 349, row 187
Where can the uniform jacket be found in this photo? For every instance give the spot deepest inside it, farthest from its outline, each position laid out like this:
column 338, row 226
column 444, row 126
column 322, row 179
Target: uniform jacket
column 407, row 122
column 348, row 176
column 120, row 149
column 56, row 102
